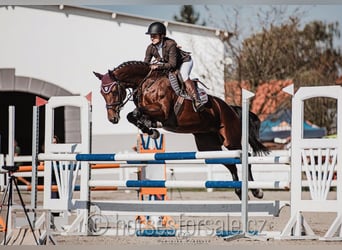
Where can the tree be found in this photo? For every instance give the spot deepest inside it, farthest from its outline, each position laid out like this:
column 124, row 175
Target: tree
column 284, row 50
column 188, row 15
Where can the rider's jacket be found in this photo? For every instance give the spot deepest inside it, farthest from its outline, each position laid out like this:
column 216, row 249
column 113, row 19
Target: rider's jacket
column 172, row 56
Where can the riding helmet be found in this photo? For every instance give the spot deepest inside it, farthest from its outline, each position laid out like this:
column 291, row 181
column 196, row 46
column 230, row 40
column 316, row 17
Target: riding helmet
column 156, row 28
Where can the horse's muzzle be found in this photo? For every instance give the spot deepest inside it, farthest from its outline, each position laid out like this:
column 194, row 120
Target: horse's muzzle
column 114, row 120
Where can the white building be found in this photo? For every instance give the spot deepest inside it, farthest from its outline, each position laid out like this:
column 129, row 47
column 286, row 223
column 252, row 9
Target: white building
column 52, row 50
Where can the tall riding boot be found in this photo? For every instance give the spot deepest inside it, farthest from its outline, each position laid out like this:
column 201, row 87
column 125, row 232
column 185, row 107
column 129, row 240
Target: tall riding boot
column 191, row 89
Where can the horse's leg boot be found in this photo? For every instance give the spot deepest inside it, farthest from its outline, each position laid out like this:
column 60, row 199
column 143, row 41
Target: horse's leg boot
column 191, row 89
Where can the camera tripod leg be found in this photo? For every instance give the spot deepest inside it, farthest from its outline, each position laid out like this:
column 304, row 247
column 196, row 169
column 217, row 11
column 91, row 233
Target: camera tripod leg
column 24, row 208
column 4, row 197
column 9, row 193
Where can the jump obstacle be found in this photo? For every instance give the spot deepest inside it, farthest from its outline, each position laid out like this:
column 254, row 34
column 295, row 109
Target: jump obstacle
column 304, row 155
column 76, row 158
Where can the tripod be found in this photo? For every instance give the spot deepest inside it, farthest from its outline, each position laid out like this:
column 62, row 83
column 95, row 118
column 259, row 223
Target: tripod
column 9, row 193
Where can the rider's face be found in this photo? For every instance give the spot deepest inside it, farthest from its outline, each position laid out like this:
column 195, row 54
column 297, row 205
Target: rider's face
column 156, row 38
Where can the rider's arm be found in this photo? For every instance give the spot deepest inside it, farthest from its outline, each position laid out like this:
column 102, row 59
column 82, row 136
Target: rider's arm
column 148, row 54
column 172, row 58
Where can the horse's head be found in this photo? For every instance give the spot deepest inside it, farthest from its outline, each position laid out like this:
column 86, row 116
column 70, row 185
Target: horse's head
column 114, row 94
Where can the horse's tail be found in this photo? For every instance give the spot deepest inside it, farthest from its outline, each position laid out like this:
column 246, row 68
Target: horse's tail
column 253, row 136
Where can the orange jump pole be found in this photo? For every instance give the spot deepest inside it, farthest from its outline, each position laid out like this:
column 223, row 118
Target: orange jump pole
column 105, row 165
column 54, row 188
column 93, row 166
column 29, row 168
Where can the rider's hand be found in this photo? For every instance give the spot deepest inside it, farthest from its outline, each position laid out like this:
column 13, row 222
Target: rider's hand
column 154, row 66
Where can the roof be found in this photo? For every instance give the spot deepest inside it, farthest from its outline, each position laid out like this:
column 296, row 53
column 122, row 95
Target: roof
column 339, row 81
column 270, row 104
column 268, row 96
column 131, row 19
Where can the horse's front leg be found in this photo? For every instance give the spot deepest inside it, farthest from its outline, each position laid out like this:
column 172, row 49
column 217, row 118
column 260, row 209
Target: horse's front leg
column 133, row 118
column 146, row 120
column 143, row 123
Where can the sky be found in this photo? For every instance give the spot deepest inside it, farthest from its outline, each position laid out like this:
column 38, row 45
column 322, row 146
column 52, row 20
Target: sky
column 328, row 12
column 248, row 14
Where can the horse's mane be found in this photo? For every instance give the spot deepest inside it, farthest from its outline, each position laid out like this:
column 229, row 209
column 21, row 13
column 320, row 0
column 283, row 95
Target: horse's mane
column 129, row 63
column 155, row 73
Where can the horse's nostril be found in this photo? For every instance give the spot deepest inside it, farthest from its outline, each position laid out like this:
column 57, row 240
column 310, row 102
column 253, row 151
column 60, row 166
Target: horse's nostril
column 114, row 120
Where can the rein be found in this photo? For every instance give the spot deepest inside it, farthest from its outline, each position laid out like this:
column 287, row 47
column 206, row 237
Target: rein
column 107, row 88
column 138, row 90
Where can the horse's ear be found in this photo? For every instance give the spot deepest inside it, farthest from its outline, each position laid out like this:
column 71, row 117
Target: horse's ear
column 111, row 75
column 98, row 75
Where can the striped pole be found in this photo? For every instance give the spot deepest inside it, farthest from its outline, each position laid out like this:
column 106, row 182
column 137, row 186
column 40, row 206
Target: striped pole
column 203, row 157
column 188, row 184
column 143, row 157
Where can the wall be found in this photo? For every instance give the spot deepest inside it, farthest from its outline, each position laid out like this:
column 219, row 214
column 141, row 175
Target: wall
column 63, row 46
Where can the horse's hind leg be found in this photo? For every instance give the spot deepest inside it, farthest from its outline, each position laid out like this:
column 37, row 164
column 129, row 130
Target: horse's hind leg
column 231, row 132
column 257, row 192
column 213, row 142
column 235, row 177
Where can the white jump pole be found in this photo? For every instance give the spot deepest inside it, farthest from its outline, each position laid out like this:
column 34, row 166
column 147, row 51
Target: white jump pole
column 246, row 95
column 35, row 146
column 10, row 163
column 11, row 136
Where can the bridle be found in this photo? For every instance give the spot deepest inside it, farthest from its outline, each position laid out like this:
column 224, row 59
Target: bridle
column 107, row 88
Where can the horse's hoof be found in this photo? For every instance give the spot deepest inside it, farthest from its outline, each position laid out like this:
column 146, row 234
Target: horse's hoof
column 258, row 193
column 136, row 113
column 155, row 134
column 238, row 193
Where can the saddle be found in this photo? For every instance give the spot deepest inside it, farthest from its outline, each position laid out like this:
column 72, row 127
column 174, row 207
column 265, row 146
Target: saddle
column 178, row 86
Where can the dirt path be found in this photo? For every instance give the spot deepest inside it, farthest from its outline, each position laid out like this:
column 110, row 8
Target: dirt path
column 319, row 222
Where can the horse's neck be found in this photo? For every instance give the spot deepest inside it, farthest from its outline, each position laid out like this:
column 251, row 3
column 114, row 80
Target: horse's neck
column 132, row 85
column 132, row 80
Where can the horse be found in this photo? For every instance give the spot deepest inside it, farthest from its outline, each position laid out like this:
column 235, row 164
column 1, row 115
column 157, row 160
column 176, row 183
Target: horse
column 219, row 124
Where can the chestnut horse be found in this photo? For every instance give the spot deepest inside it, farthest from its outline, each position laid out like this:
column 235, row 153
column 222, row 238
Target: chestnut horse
column 217, row 125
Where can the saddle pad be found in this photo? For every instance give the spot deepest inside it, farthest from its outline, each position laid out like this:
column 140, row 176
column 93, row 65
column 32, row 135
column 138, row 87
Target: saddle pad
column 175, row 86
column 202, row 95
column 183, row 95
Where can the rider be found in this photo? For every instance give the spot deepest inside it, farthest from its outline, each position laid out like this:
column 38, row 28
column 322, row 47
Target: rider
column 170, row 57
